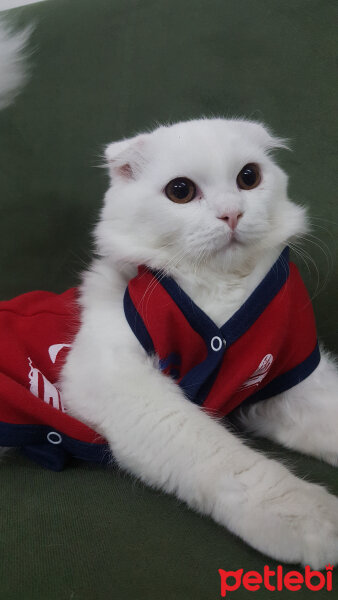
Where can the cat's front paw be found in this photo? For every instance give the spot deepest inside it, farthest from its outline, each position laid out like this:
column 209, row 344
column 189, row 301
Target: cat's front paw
column 317, row 527
column 290, row 520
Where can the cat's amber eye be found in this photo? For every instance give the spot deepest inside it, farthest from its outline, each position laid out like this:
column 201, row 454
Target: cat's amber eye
column 249, row 177
column 180, row 190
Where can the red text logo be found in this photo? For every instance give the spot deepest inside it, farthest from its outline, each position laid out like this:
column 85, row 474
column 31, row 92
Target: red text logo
column 275, row 580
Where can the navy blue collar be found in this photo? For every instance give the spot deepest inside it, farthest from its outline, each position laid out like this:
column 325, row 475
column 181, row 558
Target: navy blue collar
column 245, row 316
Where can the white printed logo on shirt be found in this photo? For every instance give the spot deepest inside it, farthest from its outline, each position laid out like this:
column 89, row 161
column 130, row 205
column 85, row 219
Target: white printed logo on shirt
column 261, row 372
column 48, row 391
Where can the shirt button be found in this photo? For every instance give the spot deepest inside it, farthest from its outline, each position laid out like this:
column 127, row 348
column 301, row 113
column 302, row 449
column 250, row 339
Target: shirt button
column 216, row 343
column 54, row 437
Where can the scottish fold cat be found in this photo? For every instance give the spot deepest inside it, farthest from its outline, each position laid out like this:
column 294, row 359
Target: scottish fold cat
column 203, row 208
column 191, row 311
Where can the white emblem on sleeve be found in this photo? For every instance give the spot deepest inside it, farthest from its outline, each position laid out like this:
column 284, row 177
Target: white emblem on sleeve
column 40, row 386
column 261, row 372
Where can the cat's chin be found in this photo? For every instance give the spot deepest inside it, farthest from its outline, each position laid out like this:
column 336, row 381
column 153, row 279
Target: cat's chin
column 235, row 256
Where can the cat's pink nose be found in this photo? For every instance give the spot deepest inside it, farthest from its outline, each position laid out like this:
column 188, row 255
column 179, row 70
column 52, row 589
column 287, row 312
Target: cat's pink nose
column 232, row 218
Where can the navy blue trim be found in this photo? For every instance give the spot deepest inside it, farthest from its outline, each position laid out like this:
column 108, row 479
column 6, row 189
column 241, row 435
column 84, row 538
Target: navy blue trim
column 205, row 327
column 201, row 323
column 136, row 323
column 195, row 316
column 55, row 459
column 244, row 317
column 173, row 359
column 174, row 373
column 171, row 362
column 33, row 441
column 193, row 382
column 287, row 380
column 257, row 302
column 207, row 385
column 197, row 383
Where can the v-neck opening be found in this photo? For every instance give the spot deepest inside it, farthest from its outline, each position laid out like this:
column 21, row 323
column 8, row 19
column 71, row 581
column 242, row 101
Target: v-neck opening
column 244, row 317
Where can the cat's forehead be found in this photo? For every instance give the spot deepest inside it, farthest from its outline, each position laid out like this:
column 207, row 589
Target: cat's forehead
column 208, row 144
column 221, row 132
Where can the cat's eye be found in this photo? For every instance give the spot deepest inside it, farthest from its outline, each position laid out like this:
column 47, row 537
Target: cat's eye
column 180, row 190
column 249, row 177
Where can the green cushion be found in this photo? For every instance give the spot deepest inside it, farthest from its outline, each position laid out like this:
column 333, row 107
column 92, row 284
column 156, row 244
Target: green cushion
column 101, row 71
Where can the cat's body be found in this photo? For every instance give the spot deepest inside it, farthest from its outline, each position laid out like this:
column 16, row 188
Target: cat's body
column 218, row 247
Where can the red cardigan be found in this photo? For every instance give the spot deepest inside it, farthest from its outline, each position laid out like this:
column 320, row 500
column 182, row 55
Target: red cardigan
column 266, row 347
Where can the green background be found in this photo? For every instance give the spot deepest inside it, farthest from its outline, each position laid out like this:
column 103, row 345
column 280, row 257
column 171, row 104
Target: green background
column 102, row 70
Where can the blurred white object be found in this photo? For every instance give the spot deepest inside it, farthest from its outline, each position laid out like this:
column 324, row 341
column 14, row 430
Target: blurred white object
column 13, row 67
column 7, row 4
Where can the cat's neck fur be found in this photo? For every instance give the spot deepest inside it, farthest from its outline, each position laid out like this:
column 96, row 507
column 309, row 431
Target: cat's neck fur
column 220, row 294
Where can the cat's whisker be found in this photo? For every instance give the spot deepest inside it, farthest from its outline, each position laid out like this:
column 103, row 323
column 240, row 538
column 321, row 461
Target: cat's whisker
column 323, row 219
column 308, row 259
column 161, row 273
column 308, row 237
column 326, row 229
column 319, row 243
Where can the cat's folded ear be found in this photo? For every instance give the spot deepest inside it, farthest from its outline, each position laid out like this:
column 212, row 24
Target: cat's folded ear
column 126, row 158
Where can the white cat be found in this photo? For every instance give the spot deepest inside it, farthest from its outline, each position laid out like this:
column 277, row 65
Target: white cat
column 204, row 203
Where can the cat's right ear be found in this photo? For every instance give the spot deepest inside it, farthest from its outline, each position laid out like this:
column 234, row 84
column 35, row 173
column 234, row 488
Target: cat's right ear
column 125, row 159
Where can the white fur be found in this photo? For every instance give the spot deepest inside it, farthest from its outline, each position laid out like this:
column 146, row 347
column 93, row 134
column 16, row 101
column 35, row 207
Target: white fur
column 304, row 418
column 110, row 383
column 13, row 68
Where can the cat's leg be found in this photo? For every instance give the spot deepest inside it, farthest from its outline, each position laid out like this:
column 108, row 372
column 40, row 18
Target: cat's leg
column 304, row 418
column 158, row 435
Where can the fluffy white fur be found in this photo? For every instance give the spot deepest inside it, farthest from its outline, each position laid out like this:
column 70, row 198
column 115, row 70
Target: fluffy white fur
column 13, row 67
column 110, row 383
